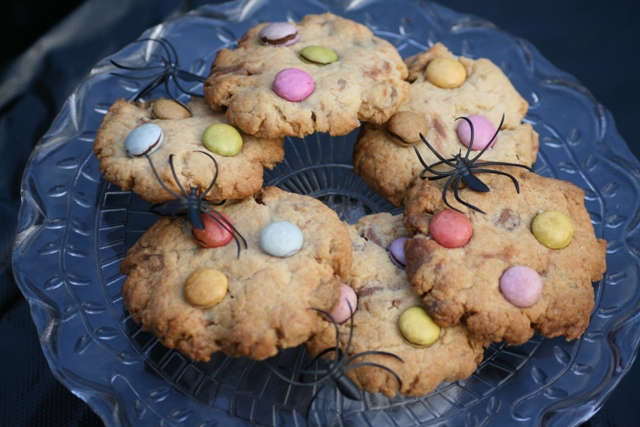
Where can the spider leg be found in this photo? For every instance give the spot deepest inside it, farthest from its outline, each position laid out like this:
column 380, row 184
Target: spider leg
column 513, row 178
column 215, row 176
column 471, row 136
column 529, row 168
column 175, row 176
column 189, row 77
column 373, row 352
column 172, row 208
column 227, row 225
column 459, row 199
column 181, row 74
column 376, row 365
column 151, row 86
column 162, row 184
column 490, row 141
column 438, row 155
column 455, row 179
column 295, row 382
column 129, row 68
column 429, row 168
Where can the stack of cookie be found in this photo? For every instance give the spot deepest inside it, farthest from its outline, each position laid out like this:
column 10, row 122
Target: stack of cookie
column 485, row 251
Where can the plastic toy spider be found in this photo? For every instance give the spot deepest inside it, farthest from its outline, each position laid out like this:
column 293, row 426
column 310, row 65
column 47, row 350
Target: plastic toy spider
column 191, row 205
column 161, row 73
column 337, row 368
column 463, row 169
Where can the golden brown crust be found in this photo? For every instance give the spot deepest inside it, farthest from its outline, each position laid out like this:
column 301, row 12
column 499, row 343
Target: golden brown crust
column 238, row 176
column 366, row 83
column 268, row 300
column 461, row 285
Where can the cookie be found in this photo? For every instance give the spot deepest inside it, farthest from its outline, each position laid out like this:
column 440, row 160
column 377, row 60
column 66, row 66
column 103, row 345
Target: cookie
column 506, row 281
column 385, row 311
column 202, row 300
column 384, row 155
column 182, row 130
column 327, row 74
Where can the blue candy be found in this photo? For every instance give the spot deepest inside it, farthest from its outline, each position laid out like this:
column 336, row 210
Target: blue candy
column 281, row 239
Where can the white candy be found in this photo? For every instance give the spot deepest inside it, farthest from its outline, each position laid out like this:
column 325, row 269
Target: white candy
column 144, row 140
column 281, row 239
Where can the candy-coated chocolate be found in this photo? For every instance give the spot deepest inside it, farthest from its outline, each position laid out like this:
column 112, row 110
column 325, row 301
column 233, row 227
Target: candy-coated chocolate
column 417, row 327
column 447, row 73
column 213, row 235
column 521, row 286
column 553, row 229
column 293, row 84
column 318, row 55
column 168, row 109
column 144, row 140
column 205, row 287
column 483, row 131
column 347, row 304
column 405, row 128
column 281, row 239
column 279, row 34
column 451, row 229
column 222, row 139
column 396, row 252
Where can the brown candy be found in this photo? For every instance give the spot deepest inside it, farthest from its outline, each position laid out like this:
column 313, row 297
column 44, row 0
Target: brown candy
column 166, row 109
column 405, row 128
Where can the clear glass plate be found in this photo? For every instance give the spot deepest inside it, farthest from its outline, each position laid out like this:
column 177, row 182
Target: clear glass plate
column 74, row 230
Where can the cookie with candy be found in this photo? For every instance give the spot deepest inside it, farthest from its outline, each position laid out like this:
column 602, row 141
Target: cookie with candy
column 388, row 317
column 524, row 265
column 197, row 295
column 136, row 137
column 443, row 89
column 322, row 74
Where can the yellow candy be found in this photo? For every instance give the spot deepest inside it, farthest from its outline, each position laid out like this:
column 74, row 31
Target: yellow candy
column 222, row 139
column 205, row 287
column 417, row 327
column 446, row 73
column 553, row 229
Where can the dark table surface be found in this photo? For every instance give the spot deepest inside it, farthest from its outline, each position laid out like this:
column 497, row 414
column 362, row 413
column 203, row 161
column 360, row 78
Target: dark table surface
column 47, row 47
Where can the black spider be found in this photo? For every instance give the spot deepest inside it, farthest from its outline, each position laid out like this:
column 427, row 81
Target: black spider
column 337, row 367
column 161, row 73
column 191, row 204
column 463, row 169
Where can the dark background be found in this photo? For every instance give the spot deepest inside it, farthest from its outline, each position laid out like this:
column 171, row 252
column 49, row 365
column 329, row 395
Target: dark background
column 45, row 51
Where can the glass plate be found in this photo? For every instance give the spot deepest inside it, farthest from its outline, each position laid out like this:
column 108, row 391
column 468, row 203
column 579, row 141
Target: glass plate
column 74, row 230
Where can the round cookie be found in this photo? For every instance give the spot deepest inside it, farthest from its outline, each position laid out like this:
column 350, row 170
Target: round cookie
column 239, row 176
column 365, row 83
column 384, row 294
column 384, row 155
column 268, row 299
column 462, row 285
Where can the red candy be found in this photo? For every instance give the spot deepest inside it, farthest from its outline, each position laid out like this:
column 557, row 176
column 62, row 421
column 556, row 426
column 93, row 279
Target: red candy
column 451, row 229
column 214, row 235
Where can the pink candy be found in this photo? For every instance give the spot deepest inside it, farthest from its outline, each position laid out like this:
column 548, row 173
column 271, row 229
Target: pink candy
column 293, row 84
column 396, row 252
column 279, row 34
column 521, row 286
column 348, row 297
column 451, row 229
column 483, row 131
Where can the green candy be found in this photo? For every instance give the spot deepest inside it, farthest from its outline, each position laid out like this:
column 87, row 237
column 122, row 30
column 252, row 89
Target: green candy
column 222, row 139
column 318, row 55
